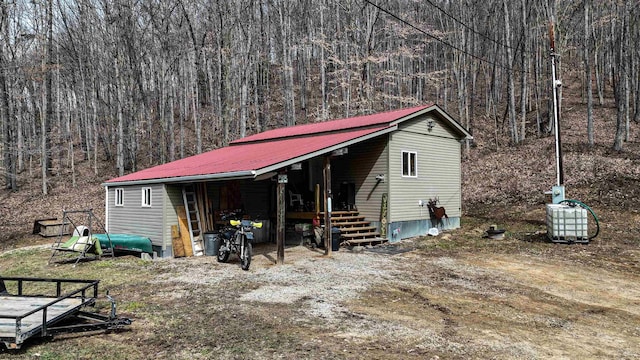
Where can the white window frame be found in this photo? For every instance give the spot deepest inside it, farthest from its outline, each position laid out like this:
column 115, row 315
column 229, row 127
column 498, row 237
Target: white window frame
column 146, row 196
column 119, row 197
column 412, row 157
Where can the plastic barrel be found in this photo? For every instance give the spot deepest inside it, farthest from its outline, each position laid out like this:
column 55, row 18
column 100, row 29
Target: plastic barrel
column 335, row 239
column 211, row 243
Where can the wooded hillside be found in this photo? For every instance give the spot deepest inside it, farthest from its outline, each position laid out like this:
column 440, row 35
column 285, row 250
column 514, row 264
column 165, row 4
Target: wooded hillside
column 137, row 83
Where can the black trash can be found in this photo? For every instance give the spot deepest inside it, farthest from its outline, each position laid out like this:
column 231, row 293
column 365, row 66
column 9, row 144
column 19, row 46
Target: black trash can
column 335, row 239
column 211, row 243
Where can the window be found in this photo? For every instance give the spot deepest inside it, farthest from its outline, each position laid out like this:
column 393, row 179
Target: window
column 409, row 164
column 119, row 197
column 146, row 197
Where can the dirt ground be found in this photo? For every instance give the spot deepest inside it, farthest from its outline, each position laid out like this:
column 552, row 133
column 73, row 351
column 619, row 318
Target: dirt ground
column 455, row 296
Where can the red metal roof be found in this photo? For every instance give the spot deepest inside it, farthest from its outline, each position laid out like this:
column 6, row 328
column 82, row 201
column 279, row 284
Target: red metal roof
column 260, row 153
column 246, row 157
column 333, row 125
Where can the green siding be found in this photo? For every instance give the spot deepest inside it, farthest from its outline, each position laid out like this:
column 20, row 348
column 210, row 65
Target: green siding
column 360, row 166
column 438, row 159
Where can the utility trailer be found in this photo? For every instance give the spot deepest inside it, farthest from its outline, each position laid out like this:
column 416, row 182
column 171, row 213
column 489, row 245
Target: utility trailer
column 24, row 315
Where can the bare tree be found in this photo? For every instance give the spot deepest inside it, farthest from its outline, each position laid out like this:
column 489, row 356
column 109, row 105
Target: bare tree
column 587, row 71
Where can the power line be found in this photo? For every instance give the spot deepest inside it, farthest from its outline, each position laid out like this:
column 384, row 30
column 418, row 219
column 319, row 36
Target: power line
column 468, row 27
column 437, row 38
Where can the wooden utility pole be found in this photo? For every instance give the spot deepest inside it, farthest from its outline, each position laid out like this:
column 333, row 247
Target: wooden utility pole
column 327, row 205
column 281, row 209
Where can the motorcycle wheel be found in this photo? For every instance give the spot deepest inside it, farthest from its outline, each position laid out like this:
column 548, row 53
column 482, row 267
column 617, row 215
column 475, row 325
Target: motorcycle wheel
column 223, row 255
column 246, row 259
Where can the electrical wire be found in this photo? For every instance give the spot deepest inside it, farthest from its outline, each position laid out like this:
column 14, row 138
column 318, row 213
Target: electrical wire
column 439, row 39
column 469, row 27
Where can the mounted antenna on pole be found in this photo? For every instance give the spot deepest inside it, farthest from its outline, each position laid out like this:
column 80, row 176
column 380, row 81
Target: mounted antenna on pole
column 558, row 190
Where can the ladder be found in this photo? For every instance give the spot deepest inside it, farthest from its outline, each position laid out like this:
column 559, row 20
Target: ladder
column 193, row 219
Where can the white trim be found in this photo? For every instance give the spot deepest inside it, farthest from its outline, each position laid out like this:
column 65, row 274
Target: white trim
column 106, row 210
column 146, row 200
column 438, row 110
column 249, row 174
column 115, row 197
column 415, row 163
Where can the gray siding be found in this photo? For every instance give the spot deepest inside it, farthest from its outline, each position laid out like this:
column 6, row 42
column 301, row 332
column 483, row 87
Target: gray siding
column 133, row 218
column 438, row 169
column 360, row 166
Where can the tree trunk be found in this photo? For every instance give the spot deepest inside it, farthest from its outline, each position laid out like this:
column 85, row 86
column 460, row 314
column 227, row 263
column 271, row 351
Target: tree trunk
column 287, row 64
column 510, row 83
column 587, row 72
column 120, row 117
column 6, row 116
column 524, row 79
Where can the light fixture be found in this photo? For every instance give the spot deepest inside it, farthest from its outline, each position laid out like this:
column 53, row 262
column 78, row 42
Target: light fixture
column 296, row 166
column 431, row 124
column 340, row 152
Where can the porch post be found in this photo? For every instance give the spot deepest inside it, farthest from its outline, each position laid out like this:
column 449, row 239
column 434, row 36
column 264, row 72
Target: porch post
column 281, row 209
column 327, row 205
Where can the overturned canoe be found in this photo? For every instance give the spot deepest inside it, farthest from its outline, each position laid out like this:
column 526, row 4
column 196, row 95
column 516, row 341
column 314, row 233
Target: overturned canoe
column 125, row 242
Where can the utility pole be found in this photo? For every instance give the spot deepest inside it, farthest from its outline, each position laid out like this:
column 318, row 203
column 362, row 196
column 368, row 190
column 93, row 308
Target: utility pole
column 556, row 116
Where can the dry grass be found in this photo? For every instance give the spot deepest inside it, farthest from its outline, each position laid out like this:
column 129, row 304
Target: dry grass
column 456, row 296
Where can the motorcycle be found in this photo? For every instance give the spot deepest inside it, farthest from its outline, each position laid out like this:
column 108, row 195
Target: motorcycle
column 238, row 241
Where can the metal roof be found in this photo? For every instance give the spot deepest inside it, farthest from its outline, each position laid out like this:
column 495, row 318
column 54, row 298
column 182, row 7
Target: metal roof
column 333, row 125
column 247, row 160
column 271, row 150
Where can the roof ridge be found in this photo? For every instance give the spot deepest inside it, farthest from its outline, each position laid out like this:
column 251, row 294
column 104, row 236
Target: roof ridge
column 334, row 125
column 309, row 134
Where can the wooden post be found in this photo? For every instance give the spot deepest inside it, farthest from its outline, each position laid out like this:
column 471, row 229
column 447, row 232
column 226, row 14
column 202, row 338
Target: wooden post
column 327, row 205
column 281, row 209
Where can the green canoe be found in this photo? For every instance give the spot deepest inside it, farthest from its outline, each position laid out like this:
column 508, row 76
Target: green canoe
column 125, row 242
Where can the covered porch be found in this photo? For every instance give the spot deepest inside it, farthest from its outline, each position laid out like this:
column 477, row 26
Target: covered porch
column 295, row 204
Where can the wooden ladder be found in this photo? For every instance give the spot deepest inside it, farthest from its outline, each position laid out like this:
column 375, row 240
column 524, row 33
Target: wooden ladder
column 193, row 219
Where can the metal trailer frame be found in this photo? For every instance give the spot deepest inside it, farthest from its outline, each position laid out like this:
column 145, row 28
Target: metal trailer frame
column 24, row 316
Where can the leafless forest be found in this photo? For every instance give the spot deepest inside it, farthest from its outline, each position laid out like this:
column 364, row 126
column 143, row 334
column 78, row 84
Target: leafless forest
column 135, row 83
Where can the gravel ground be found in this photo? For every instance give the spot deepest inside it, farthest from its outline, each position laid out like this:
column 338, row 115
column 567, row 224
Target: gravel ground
column 321, row 283
column 393, row 302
